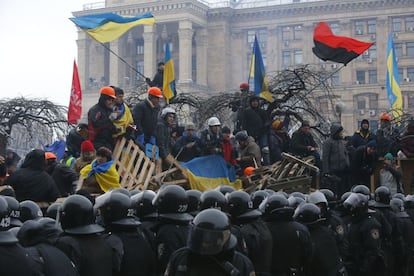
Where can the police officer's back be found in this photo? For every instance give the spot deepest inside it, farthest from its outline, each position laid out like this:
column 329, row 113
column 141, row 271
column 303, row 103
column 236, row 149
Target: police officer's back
column 81, row 241
column 210, row 249
column 172, row 204
column 292, row 246
column 137, row 256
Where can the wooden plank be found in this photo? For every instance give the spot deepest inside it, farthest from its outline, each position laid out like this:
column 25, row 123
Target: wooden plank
column 149, row 175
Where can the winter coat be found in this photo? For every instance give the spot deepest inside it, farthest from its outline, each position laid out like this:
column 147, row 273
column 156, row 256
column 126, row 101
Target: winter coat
column 187, row 153
column 335, row 155
column 255, row 121
column 145, row 118
column 163, row 138
column 300, row 142
column 248, row 152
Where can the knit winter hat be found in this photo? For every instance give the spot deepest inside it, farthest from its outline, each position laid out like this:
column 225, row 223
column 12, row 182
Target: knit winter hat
column 277, row 124
column 389, row 156
column 87, row 146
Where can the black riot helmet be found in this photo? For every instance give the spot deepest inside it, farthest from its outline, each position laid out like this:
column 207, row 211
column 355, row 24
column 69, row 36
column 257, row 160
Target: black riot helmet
column 142, row 206
column 114, row 208
column 171, row 203
column 308, row 214
column 240, row 206
column 53, row 210
column 397, row 205
column 29, row 210
column 225, row 189
column 298, row 194
column 361, row 189
column 6, row 237
column 330, row 197
column 409, row 202
column 382, row 197
column 193, row 201
column 258, row 197
column 356, row 203
column 14, row 207
column 77, row 216
column 122, row 191
column 399, row 195
column 294, row 201
column 210, row 233
column 213, row 199
column 276, row 207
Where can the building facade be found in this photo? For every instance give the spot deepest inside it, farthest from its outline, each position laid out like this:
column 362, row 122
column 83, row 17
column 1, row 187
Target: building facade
column 211, row 44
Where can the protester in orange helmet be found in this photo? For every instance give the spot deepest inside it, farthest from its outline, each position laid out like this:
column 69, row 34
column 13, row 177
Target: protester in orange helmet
column 387, row 136
column 145, row 116
column 100, row 117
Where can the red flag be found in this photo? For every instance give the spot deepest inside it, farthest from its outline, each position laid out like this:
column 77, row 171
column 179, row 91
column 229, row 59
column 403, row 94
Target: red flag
column 339, row 49
column 75, row 104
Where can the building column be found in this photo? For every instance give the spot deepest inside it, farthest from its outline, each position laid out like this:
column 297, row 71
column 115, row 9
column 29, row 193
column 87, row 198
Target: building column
column 114, row 63
column 149, row 50
column 185, row 41
column 201, row 52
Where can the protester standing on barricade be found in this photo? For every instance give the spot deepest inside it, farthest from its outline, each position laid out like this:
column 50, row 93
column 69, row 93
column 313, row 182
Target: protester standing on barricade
column 363, row 135
column 304, row 145
column 163, row 138
column 211, row 139
column 123, row 115
column 187, row 146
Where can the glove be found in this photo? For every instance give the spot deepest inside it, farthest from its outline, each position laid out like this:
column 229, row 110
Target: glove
column 140, row 139
column 113, row 116
column 152, row 140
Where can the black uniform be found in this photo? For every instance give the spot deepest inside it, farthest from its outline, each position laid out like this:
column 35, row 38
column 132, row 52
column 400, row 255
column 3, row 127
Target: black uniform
column 292, row 247
column 185, row 262
column 404, row 264
column 365, row 247
column 64, row 178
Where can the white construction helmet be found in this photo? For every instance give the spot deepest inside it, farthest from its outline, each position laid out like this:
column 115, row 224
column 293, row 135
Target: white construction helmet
column 166, row 111
column 213, row 121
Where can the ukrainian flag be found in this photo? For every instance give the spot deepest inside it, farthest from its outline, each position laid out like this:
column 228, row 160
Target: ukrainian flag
column 209, row 172
column 106, row 27
column 393, row 81
column 257, row 71
column 169, row 78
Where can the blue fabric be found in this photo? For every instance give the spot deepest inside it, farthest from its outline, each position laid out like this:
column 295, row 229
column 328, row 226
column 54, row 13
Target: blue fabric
column 140, row 139
column 152, row 140
column 210, row 166
column 121, row 110
column 57, row 148
column 100, row 168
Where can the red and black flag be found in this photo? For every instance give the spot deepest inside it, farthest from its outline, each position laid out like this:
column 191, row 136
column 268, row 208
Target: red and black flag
column 339, row 49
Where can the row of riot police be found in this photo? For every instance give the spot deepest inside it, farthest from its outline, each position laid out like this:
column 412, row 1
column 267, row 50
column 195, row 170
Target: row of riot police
column 215, row 232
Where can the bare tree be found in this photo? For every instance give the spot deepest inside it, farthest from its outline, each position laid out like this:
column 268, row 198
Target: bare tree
column 31, row 114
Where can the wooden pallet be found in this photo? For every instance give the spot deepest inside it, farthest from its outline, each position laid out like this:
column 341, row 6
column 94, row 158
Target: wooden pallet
column 291, row 174
column 134, row 167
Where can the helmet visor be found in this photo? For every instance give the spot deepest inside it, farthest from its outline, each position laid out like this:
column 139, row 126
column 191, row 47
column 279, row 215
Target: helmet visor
column 208, row 242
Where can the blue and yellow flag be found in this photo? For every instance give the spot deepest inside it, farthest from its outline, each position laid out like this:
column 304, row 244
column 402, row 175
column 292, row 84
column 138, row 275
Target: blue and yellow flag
column 106, row 27
column 257, row 71
column 169, row 77
column 209, row 172
column 393, row 81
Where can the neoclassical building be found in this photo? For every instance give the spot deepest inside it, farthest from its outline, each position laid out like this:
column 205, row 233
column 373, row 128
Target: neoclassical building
column 212, row 42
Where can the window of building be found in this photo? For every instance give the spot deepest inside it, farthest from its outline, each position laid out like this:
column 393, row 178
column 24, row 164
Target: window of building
column 372, row 52
column 410, row 49
column 298, row 32
column 372, row 76
column 261, row 38
column 140, row 46
column 335, row 79
column 298, row 55
column 286, row 58
column 373, row 101
column 250, row 37
column 361, row 102
column 398, row 50
column 410, row 99
column 400, row 74
column 396, row 24
column 410, row 73
column 140, row 68
column 334, row 28
column 409, row 23
column 360, row 76
column 373, row 125
column 286, row 36
column 372, row 26
column 359, row 27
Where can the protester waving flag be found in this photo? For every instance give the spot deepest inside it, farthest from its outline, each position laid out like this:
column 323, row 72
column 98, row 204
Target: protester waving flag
column 393, row 81
column 106, row 27
column 339, row 49
column 257, row 71
column 169, row 78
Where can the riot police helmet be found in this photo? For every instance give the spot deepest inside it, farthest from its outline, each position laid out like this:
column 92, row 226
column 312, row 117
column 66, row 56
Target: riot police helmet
column 275, row 206
column 361, row 189
column 224, row 189
column 258, row 197
column 142, row 206
column 171, row 203
column 308, row 214
column 382, row 197
column 409, row 202
column 29, row 210
column 53, row 209
column 77, row 216
column 14, row 207
column 193, row 201
column 213, row 199
column 210, row 233
column 356, row 203
column 240, row 206
column 6, row 237
column 114, row 209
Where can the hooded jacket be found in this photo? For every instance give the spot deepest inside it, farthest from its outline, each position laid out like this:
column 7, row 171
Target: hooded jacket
column 31, row 181
column 335, row 155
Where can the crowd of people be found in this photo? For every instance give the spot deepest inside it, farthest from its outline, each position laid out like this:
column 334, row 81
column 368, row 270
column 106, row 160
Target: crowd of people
column 216, row 232
column 100, row 228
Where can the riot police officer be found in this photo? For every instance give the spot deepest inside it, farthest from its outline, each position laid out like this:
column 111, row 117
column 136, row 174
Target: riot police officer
column 121, row 229
column 80, row 240
column 210, row 249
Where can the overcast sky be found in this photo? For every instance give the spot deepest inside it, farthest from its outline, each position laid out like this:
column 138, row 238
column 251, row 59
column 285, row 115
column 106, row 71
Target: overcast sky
column 38, row 48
